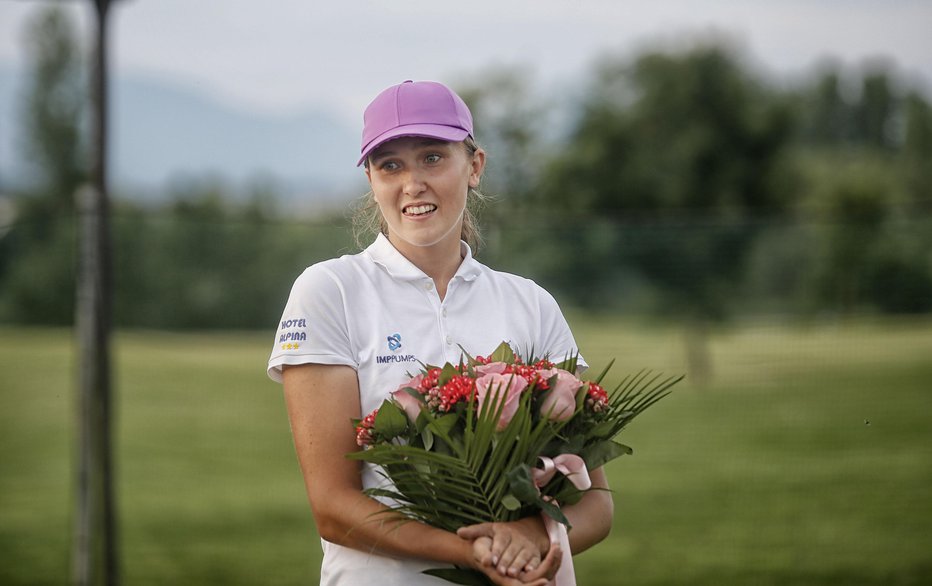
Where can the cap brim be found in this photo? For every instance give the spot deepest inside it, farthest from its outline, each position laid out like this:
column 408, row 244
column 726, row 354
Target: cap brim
column 438, row 131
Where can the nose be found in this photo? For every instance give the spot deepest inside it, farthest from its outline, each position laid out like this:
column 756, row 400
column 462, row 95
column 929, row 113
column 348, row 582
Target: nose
column 413, row 184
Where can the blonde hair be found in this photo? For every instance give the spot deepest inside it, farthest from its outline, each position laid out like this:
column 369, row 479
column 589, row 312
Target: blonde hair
column 367, row 221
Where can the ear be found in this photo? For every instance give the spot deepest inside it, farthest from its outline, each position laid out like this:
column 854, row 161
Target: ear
column 476, row 167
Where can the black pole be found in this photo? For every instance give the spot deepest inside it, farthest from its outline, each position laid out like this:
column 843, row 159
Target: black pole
column 95, row 532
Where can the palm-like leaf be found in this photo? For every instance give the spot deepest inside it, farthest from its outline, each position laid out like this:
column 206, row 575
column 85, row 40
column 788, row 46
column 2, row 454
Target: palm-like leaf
column 470, row 484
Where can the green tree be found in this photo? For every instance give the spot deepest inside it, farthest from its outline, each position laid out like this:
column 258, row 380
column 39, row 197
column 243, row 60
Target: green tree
column 53, row 109
column 206, row 259
column 825, row 115
column 37, row 271
column 509, row 122
column 672, row 158
column 853, row 217
column 509, row 119
column 873, row 114
column 868, row 200
column 917, row 151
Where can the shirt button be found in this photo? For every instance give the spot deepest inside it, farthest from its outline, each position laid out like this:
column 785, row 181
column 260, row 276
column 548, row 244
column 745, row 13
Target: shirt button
column 428, row 285
column 449, row 340
column 443, row 312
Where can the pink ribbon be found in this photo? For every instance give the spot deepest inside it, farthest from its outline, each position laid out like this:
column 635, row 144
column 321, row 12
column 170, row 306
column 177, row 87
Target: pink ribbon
column 570, row 465
column 574, row 468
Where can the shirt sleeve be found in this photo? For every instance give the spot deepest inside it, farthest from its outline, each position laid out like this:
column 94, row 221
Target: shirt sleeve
column 555, row 332
column 313, row 327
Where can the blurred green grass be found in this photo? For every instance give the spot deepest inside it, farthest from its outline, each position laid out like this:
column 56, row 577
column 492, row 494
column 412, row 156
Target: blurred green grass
column 806, row 460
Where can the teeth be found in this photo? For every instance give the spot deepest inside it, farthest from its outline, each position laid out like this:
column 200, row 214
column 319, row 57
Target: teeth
column 421, row 209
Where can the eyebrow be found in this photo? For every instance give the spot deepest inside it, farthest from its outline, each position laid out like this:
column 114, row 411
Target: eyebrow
column 382, row 152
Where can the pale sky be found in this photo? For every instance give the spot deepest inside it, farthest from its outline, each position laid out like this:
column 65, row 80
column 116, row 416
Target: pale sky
column 287, row 55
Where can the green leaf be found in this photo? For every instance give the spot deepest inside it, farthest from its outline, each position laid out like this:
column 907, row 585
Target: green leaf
column 423, row 418
column 522, row 484
column 554, row 512
column 570, row 495
column 511, row 503
column 390, row 421
column 599, row 453
column 382, row 492
column 503, row 353
column 571, row 445
column 568, row 364
column 427, row 436
column 442, row 428
column 444, row 424
column 603, row 429
column 460, row 576
column 446, row 373
column 598, row 380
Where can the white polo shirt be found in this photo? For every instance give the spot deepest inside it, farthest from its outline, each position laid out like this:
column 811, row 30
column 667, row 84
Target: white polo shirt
column 378, row 313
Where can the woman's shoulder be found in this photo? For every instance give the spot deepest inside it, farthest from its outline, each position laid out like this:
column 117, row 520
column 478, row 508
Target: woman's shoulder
column 518, row 283
column 334, row 271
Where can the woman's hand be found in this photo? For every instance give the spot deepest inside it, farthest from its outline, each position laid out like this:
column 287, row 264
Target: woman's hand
column 538, row 577
column 512, row 549
column 541, row 576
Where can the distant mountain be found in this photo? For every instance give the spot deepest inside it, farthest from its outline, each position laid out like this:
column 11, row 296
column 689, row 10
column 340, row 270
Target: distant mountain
column 160, row 131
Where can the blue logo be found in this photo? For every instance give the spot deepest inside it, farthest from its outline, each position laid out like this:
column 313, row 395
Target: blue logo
column 394, row 342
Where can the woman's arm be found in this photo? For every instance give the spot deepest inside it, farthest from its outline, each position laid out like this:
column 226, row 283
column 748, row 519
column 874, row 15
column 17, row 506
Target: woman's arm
column 591, row 518
column 321, row 400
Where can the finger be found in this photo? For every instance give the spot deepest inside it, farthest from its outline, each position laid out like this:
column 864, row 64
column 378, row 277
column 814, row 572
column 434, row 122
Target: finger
column 482, row 551
column 497, row 578
column 548, row 566
column 507, row 559
column 500, row 542
column 477, row 530
column 525, row 560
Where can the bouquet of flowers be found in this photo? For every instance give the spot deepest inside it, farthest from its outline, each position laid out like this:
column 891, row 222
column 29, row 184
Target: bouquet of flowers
column 483, row 440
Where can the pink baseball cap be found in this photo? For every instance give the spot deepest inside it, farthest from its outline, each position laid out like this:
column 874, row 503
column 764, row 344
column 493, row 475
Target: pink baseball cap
column 414, row 108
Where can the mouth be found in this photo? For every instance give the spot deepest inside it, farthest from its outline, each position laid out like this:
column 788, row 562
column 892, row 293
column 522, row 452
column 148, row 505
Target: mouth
column 415, row 211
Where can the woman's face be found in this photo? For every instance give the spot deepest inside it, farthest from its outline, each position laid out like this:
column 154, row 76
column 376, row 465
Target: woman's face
column 420, row 186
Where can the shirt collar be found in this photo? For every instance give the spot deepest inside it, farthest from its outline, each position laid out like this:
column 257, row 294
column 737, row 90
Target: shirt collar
column 383, row 253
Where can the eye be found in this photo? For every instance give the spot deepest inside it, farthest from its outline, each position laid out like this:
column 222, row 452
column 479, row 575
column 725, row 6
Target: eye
column 388, row 166
column 432, row 158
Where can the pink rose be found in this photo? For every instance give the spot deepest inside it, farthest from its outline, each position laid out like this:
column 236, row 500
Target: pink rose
column 508, row 387
column 414, row 383
column 411, row 405
column 560, row 403
column 491, row 368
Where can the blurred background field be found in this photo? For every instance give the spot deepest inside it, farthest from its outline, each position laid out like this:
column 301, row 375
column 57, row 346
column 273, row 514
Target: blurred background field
column 808, row 460
column 741, row 193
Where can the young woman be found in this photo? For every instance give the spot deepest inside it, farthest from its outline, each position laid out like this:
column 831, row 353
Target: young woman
column 354, row 326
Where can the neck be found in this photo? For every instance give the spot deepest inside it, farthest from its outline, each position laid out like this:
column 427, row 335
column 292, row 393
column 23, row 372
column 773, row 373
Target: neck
column 439, row 262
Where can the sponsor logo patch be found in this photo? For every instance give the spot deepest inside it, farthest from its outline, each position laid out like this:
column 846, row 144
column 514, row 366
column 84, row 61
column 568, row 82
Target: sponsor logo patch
column 289, row 339
column 394, row 345
column 394, row 342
